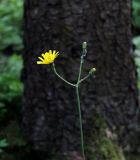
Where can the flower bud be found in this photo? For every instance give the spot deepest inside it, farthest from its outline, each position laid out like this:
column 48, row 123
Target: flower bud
column 84, row 46
column 92, row 71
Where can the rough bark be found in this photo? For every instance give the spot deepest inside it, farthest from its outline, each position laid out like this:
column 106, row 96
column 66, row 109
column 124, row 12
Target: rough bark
column 50, row 116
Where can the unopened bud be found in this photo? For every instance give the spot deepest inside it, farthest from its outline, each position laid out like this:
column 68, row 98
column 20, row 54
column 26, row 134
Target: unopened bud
column 92, row 70
column 84, row 46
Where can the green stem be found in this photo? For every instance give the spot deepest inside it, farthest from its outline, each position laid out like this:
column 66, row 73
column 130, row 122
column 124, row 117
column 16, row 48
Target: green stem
column 78, row 97
column 80, row 120
column 84, row 78
column 80, row 70
column 79, row 109
column 54, row 69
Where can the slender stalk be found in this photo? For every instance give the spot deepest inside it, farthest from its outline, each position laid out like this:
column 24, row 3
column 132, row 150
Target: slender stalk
column 79, row 80
column 80, row 70
column 79, row 109
column 54, row 69
column 87, row 76
column 80, row 120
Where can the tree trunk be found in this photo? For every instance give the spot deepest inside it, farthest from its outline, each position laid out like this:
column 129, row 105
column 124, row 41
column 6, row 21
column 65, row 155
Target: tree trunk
column 109, row 101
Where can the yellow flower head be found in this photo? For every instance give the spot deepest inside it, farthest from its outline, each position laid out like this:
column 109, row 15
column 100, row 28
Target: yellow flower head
column 48, row 57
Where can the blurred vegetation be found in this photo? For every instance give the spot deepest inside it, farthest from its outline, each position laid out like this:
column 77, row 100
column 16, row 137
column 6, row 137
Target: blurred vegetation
column 11, row 12
column 12, row 143
column 136, row 42
column 10, row 75
column 11, row 138
column 10, row 100
column 136, row 13
column 136, row 39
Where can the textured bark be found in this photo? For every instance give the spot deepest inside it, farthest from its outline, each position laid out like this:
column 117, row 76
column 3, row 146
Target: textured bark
column 50, row 116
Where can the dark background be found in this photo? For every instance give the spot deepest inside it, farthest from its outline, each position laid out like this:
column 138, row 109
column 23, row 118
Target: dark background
column 13, row 145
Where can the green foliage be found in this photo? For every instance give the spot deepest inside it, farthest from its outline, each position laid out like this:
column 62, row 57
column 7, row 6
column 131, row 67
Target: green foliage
column 13, row 135
column 10, row 85
column 11, row 12
column 136, row 42
column 10, row 97
column 3, row 144
column 136, row 13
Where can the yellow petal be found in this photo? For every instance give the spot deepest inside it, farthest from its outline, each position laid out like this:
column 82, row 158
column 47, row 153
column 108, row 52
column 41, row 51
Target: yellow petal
column 46, row 53
column 48, row 57
column 43, row 55
column 50, row 51
column 57, row 53
column 41, row 58
column 54, row 51
column 40, row 62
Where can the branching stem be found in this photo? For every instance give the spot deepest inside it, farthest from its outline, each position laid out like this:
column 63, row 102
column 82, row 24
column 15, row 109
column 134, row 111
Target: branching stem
column 54, row 69
column 79, row 80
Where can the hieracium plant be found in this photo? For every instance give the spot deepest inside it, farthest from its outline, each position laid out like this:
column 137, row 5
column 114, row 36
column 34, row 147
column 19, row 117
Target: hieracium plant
column 49, row 58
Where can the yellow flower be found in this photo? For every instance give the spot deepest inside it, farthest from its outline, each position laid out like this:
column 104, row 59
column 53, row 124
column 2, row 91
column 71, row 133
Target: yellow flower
column 48, row 57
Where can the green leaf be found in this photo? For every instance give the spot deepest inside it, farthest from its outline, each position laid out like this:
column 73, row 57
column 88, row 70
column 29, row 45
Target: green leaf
column 136, row 13
column 3, row 143
column 136, row 42
column 11, row 24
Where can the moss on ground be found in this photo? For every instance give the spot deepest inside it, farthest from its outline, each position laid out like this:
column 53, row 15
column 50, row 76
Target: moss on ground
column 100, row 146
